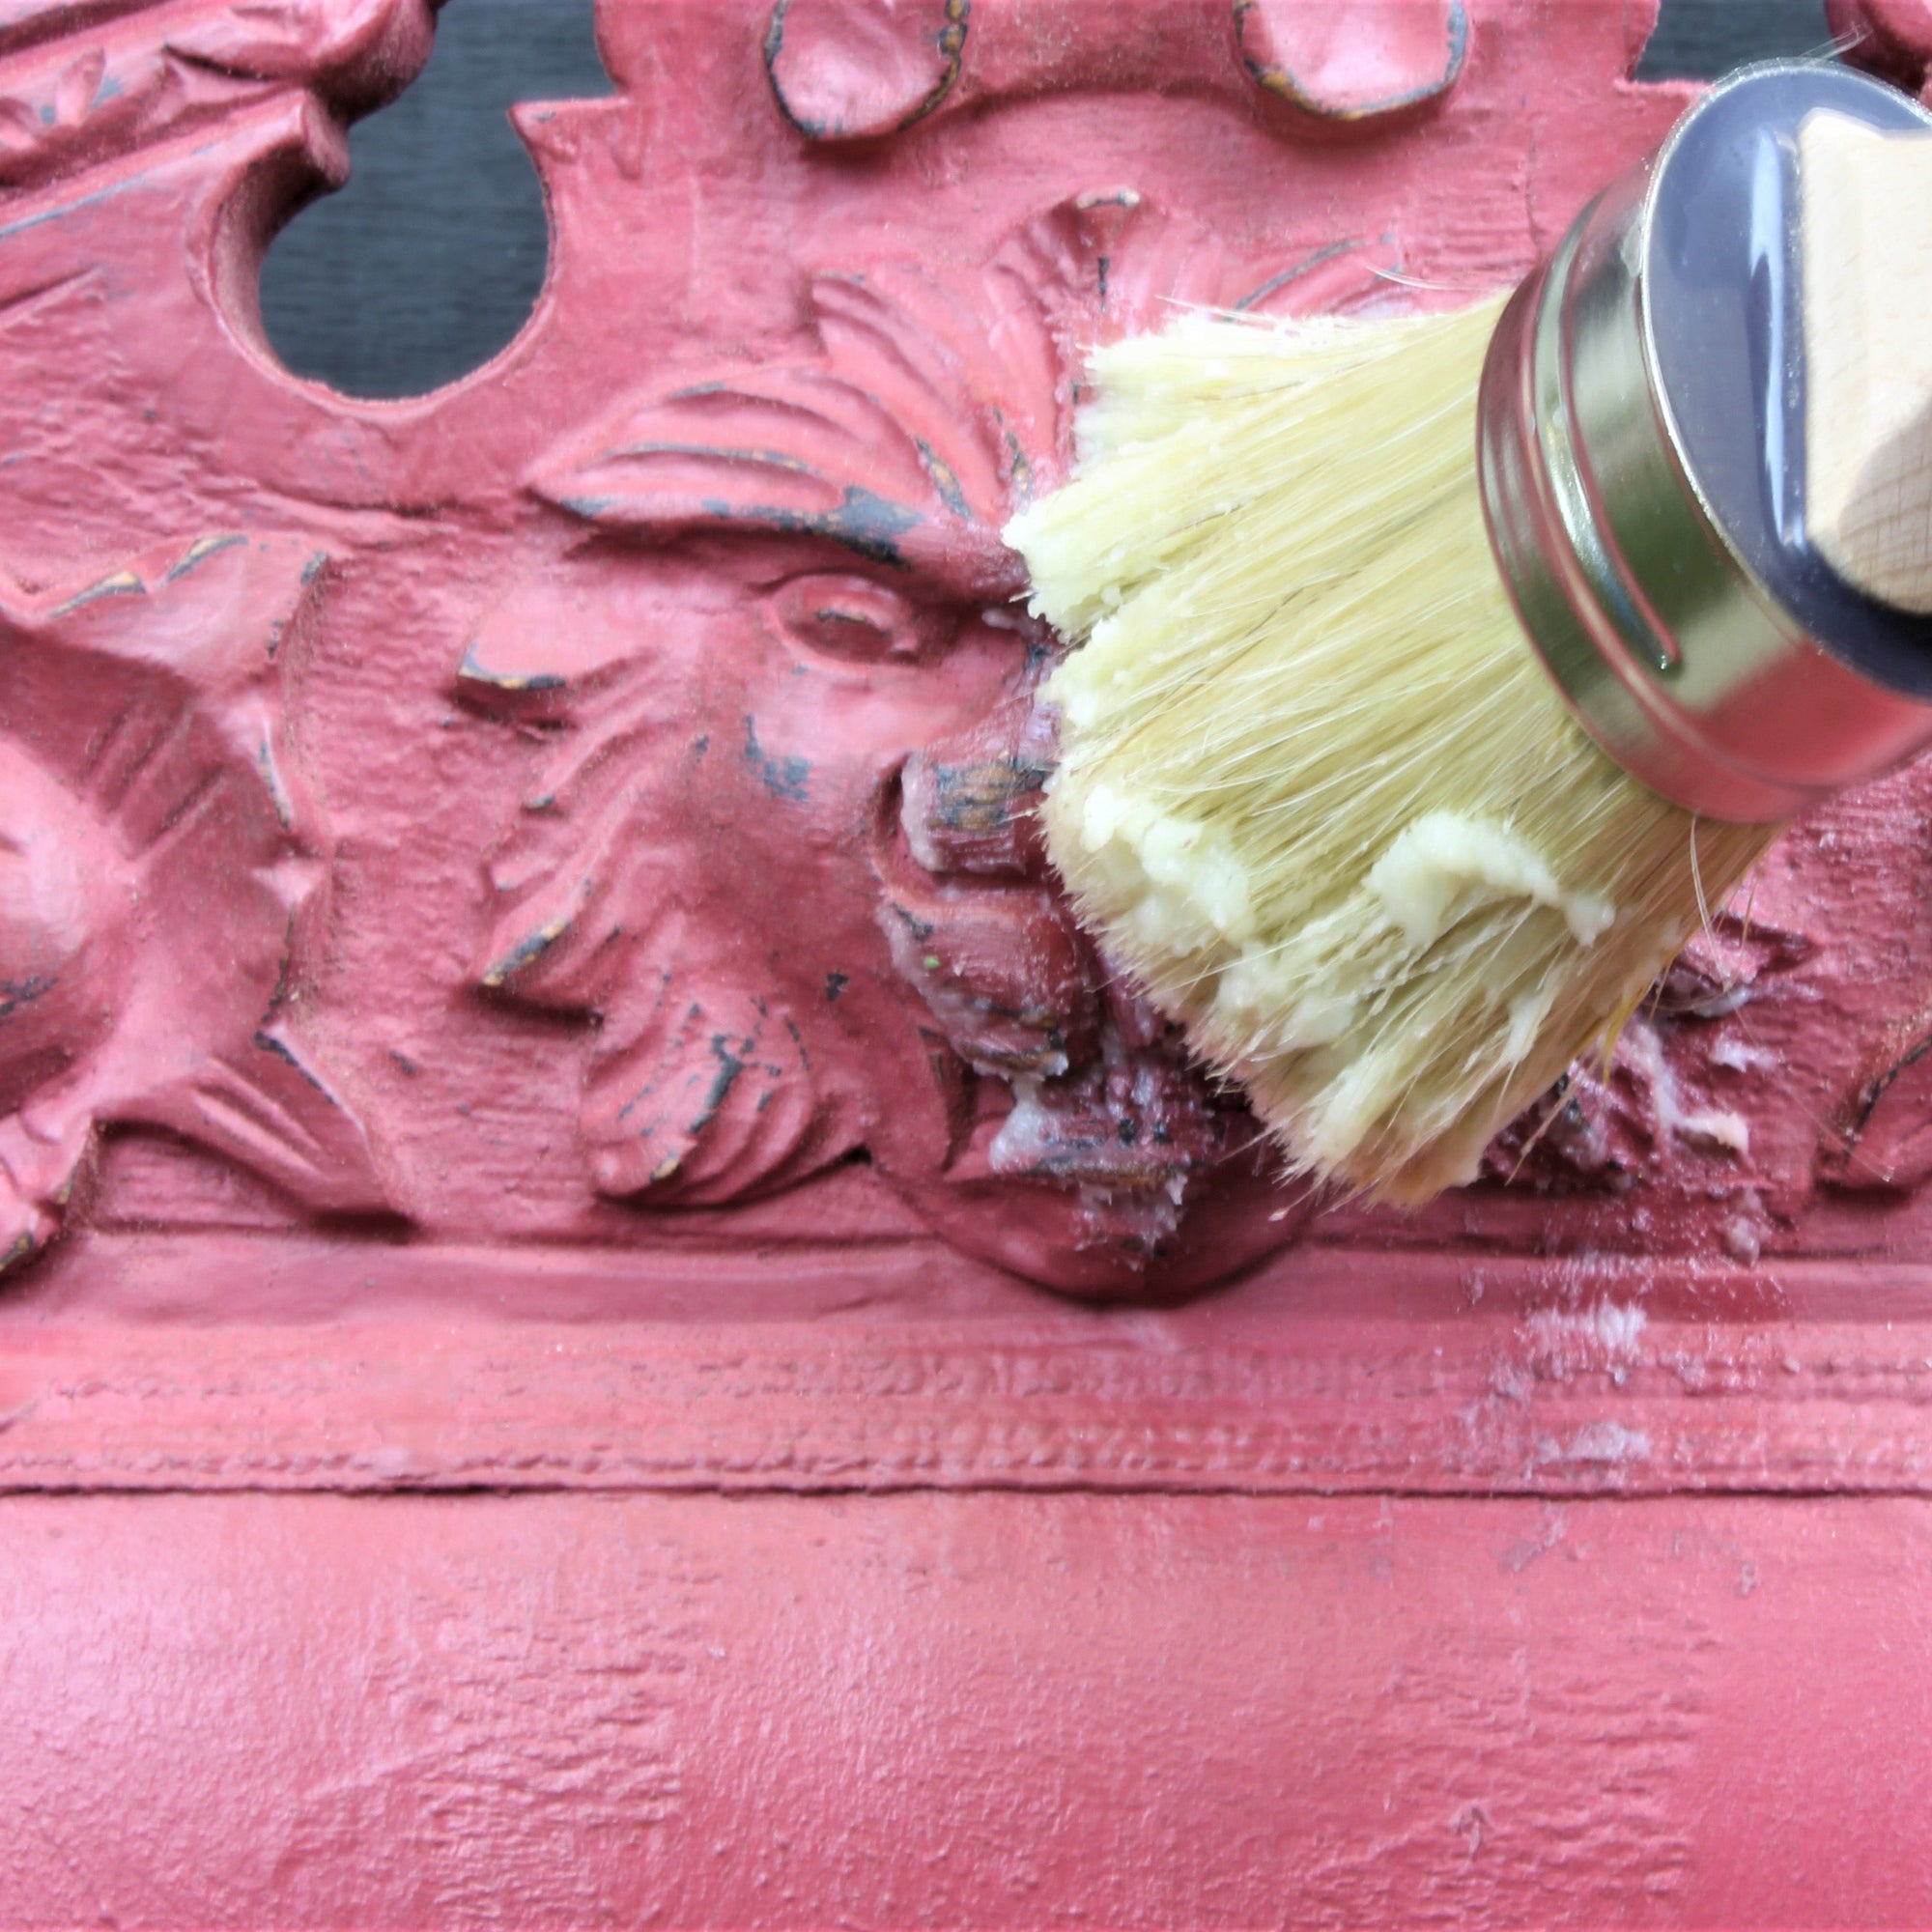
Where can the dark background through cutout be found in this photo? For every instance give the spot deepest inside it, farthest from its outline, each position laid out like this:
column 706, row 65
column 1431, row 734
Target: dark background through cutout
column 427, row 263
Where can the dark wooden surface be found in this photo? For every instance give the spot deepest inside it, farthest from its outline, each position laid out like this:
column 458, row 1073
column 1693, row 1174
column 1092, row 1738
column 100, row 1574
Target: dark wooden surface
column 427, row 262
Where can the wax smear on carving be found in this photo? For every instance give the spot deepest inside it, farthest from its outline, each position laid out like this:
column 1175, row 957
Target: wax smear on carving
column 1694, row 1036
column 1714, row 1127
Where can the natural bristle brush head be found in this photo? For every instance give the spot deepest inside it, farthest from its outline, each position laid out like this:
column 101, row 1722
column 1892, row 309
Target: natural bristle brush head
column 1316, row 794
column 1314, row 791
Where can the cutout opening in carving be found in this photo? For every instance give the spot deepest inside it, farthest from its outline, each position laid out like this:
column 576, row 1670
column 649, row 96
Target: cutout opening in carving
column 1699, row 40
column 429, row 262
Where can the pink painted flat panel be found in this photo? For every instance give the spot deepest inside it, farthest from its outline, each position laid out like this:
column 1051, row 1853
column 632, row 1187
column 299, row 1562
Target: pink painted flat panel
column 919, row 1709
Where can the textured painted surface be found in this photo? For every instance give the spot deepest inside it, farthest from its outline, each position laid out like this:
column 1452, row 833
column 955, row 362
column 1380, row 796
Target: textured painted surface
column 852, row 1369
column 607, row 1033
column 665, row 713
column 976, row 1711
column 666, row 718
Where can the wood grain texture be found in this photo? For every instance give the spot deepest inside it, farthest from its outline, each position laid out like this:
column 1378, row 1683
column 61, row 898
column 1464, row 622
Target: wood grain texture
column 970, row 1711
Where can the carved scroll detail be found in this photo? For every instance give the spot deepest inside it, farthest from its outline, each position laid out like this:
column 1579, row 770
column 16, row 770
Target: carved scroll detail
column 849, row 70
column 166, row 67
column 1353, row 64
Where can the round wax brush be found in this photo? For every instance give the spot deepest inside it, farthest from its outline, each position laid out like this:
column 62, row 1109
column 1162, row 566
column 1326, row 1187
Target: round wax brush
column 1647, row 408
column 1393, row 870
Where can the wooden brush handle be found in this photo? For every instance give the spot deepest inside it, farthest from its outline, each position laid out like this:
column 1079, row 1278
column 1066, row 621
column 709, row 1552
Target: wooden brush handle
column 1865, row 217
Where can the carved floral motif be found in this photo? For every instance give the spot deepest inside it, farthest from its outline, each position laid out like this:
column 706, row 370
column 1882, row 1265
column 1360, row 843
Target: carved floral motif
column 161, row 873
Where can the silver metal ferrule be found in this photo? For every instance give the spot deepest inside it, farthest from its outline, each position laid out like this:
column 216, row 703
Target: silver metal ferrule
column 1670, row 648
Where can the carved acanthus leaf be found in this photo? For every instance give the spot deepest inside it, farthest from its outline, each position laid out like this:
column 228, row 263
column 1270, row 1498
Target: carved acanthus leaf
column 704, row 1095
column 882, row 442
column 698, row 1089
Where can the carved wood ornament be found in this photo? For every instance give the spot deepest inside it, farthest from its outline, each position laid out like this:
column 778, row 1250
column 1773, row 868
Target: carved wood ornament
column 525, row 956
column 663, row 693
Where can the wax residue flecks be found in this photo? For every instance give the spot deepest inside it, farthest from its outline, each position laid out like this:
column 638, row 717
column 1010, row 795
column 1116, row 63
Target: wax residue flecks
column 1701, row 1127
column 1742, row 1055
column 1611, row 1326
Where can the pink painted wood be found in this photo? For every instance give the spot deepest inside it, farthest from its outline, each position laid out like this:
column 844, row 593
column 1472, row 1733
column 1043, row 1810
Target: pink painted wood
column 525, row 968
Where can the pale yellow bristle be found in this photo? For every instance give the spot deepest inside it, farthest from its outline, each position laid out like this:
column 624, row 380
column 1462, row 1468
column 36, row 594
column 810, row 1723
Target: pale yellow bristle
column 1316, row 791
